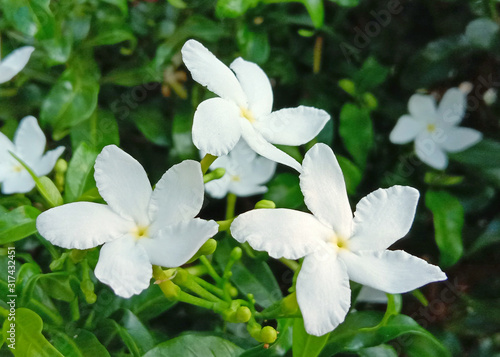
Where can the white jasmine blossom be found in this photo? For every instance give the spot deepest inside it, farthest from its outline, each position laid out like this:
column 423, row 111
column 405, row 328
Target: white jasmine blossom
column 246, row 173
column 29, row 145
column 435, row 128
column 14, row 63
column 244, row 109
column 138, row 227
column 337, row 246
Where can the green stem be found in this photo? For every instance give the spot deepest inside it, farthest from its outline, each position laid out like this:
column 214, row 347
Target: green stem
column 210, row 269
column 225, row 225
column 193, row 300
column 212, row 288
column 290, row 263
column 206, row 162
column 197, row 270
column 231, row 205
column 191, row 284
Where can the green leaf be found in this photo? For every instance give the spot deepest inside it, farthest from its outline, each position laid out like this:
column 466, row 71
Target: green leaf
column 30, row 17
column 29, row 340
column 99, row 130
column 284, row 190
column 316, row 11
column 346, row 3
column 111, row 35
column 356, row 131
column 379, row 351
column 83, row 344
column 254, row 45
column 121, row 4
column 71, row 101
column 352, row 174
column 233, row 8
column 80, row 174
column 448, row 222
column 18, row 224
column 57, row 285
column 370, row 75
column 305, row 345
column 489, row 237
column 151, row 122
column 481, row 33
column 196, row 346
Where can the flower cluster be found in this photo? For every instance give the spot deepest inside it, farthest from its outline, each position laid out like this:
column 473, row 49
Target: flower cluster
column 139, row 227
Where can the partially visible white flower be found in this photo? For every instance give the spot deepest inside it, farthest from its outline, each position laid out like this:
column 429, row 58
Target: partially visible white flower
column 246, row 173
column 371, row 295
column 139, row 227
column 337, row 246
column 490, row 96
column 435, row 129
column 29, row 145
column 244, row 109
column 14, row 63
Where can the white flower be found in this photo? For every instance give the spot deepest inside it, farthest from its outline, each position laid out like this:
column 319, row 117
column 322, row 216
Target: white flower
column 368, row 294
column 29, row 145
column 14, row 63
column 244, row 109
column 139, row 227
column 246, row 172
column 435, row 129
column 336, row 246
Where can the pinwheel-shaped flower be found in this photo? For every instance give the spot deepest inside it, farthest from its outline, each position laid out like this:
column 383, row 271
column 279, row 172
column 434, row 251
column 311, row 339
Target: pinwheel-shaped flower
column 14, row 63
column 244, row 109
column 139, row 227
column 435, row 129
column 336, row 246
column 29, row 145
column 246, row 172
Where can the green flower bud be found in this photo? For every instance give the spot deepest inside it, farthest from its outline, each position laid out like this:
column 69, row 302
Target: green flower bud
column 61, row 166
column 181, row 277
column 209, row 247
column 348, row 86
column 243, row 314
column 370, row 101
column 265, row 204
column 214, row 175
column 268, row 334
column 236, row 253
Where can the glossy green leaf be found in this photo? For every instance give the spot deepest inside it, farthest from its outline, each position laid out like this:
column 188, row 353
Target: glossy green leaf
column 80, row 174
column 30, row 17
column 83, row 344
column 253, row 45
column 346, row 3
column 99, row 130
column 316, row 11
column 233, row 8
column 371, row 74
column 489, row 237
column 448, row 215
column 18, row 224
column 29, row 340
column 284, row 190
column 378, row 351
column 71, row 101
column 196, row 346
column 57, row 285
column 352, row 174
column 152, row 124
column 305, row 345
column 110, row 35
column 356, row 131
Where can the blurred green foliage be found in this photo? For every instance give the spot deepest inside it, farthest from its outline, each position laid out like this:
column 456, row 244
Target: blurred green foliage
column 110, row 72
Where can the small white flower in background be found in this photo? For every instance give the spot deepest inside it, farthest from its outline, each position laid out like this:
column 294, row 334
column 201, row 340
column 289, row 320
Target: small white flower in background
column 29, row 145
column 14, row 63
column 139, row 227
column 244, row 109
column 490, row 96
column 246, row 173
column 435, row 128
column 336, row 246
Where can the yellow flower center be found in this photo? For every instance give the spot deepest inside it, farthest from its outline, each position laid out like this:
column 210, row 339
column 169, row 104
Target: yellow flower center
column 431, row 128
column 17, row 168
column 247, row 114
column 140, row 232
column 235, row 178
column 339, row 242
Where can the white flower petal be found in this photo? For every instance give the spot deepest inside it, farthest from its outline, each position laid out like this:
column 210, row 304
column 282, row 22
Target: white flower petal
column 323, row 292
column 178, row 195
column 216, row 127
column 280, row 232
column 242, row 189
column 451, row 109
column 394, row 272
column 48, row 161
column 5, row 146
column 459, row 139
column 257, row 142
column 218, row 188
column 81, row 225
column 371, row 295
column 175, row 245
column 323, row 186
column 383, row 217
column 124, row 265
column 406, row 130
column 260, row 171
column 256, row 86
column 429, row 152
column 292, row 126
column 29, row 140
column 14, row 63
column 210, row 72
column 423, row 108
column 123, row 184
column 17, row 182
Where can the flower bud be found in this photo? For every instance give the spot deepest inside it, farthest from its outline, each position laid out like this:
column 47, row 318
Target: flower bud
column 243, row 314
column 348, row 86
column 181, row 277
column 370, row 101
column 268, row 334
column 265, row 204
column 236, row 253
column 214, row 175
